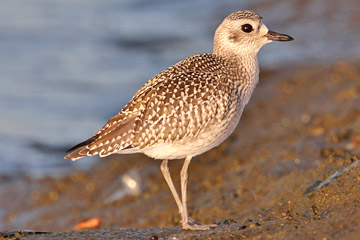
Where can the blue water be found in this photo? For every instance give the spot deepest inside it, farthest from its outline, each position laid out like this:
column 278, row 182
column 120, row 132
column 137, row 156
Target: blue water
column 67, row 66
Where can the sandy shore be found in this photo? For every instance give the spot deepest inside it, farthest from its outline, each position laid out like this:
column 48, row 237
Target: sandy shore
column 301, row 126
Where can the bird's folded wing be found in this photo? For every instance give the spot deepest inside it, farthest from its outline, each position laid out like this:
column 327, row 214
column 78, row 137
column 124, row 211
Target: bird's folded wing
column 180, row 108
column 172, row 106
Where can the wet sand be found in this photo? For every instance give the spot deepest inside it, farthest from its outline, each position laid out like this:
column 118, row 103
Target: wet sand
column 301, row 126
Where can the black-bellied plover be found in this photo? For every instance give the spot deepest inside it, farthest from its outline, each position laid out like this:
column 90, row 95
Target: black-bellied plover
column 191, row 107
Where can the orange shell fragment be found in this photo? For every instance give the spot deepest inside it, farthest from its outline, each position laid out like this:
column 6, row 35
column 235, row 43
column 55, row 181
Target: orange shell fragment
column 87, row 224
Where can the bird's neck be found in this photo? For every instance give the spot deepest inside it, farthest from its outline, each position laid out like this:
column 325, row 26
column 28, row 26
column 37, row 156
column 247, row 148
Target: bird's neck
column 247, row 70
column 246, row 65
column 248, row 75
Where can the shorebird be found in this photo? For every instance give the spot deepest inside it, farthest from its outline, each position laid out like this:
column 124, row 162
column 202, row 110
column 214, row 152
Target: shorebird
column 191, row 107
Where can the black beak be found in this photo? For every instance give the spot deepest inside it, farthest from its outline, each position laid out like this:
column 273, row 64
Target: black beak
column 271, row 35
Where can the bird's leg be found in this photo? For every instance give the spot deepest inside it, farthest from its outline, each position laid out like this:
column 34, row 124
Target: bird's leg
column 165, row 171
column 183, row 178
column 188, row 222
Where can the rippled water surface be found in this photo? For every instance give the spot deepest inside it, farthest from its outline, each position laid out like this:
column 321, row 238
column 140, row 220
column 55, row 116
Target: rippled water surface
column 67, row 66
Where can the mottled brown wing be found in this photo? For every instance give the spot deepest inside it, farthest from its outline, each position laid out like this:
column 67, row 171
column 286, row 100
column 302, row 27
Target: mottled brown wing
column 180, row 107
column 115, row 134
column 177, row 103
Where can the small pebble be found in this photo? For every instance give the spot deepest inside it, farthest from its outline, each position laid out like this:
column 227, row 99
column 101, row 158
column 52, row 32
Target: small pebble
column 153, row 237
column 242, row 227
column 252, row 225
column 248, row 221
column 229, row 221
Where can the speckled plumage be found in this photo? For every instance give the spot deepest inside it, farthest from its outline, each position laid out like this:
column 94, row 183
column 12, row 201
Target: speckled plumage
column 190, row 107
column 180, row 106
column 243, row 15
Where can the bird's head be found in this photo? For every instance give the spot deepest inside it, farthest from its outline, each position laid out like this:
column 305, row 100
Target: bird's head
column 243, row 33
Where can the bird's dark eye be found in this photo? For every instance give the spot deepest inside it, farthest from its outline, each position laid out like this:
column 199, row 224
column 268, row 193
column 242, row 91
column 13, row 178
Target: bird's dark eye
column 246, row 28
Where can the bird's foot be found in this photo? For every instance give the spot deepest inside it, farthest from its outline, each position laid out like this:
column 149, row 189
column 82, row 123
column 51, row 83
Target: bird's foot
column 194, row 225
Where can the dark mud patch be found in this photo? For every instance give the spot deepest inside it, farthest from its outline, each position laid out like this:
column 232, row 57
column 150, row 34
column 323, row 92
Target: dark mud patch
column 301, row 126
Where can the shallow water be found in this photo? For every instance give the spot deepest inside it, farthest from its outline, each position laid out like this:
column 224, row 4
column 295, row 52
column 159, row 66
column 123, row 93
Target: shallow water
column 67, row 66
